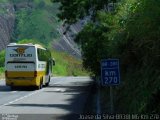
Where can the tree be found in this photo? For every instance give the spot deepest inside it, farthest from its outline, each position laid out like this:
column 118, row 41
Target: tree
column 130, row 33
column 93, row 46
column 92, row 38
column 73, row 10
column 36, row 23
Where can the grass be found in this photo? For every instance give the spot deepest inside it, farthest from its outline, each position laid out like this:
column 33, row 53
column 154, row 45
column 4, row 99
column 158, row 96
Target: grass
column 39, row 23
column 67, row 65
column 4, row 1
column 1, row 72
column 138, row 92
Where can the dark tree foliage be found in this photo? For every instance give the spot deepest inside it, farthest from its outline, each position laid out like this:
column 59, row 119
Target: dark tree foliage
column 91, row 38
column 130, row 33
column 73, row 10
column 93, row 46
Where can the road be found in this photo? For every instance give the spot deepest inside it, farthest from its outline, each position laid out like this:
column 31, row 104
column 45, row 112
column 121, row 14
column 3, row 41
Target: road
column 64, row 98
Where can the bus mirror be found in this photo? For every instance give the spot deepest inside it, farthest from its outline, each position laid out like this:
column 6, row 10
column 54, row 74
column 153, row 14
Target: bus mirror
column 53, row 62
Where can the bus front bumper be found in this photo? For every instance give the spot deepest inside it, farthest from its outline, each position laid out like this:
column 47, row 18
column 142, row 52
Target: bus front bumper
column 22, row 81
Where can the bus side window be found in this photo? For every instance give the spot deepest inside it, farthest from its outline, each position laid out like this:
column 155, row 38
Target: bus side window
column 42, row 56
column 45, row 55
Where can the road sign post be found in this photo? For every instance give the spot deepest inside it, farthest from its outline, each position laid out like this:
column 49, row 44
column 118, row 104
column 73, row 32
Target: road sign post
column 110, row 76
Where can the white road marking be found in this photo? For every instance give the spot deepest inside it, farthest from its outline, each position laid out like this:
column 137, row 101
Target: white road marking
column 25, row 96
column 11, row 102
column 59, row 90
column 1, row 80
column 14, row 91
column 20, row 98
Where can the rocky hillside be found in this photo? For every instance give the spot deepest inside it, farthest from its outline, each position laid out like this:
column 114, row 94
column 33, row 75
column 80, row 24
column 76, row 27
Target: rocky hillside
column 25, row 19
column 68, row 33
column 36, row 20
column 7, row 19
column 66, row 42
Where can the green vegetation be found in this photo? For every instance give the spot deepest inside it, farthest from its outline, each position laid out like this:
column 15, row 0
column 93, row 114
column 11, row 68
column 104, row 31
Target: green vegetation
column 67, row 65
column 4, row 1
column 33, row 41
column 1, row 72
column 2, row 59
column 3, row 9
column 36, row 21
column 130, row 33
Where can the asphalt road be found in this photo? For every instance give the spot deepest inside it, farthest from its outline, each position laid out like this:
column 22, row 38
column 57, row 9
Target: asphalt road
column 66, row 97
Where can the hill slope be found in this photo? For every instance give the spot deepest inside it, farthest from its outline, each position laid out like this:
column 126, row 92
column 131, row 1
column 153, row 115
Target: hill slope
column 36, row 21
column 7, row 18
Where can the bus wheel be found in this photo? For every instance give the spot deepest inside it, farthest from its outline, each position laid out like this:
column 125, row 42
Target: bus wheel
column 40, row 86
column 13, row 88
column 47, row 84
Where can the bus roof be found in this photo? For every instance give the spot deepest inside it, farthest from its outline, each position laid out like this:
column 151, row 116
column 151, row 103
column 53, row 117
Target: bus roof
column 29, row 44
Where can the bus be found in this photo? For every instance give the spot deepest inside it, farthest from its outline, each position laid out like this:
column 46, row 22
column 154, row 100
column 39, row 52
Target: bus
column 28, row 65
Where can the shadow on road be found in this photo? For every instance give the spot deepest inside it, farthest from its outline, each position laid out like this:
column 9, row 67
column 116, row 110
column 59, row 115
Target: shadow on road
column 74, row 88
column 41, row 105
column 4, row 88
column 79, row 103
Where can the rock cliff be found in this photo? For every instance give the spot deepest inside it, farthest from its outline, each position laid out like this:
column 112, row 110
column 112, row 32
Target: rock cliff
column 7, row 20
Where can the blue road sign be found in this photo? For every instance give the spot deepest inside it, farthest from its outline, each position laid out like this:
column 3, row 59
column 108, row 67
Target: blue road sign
column 110, row 74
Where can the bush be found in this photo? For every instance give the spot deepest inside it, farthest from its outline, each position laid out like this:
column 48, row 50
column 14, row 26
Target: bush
column 2, row 58
column 37, row 22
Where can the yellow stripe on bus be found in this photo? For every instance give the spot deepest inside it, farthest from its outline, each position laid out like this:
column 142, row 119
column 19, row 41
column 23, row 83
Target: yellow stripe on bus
column 24, row 73
column 24, row 78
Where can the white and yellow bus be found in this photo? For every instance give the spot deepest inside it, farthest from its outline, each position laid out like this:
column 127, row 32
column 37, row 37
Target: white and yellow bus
column 27, row 65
